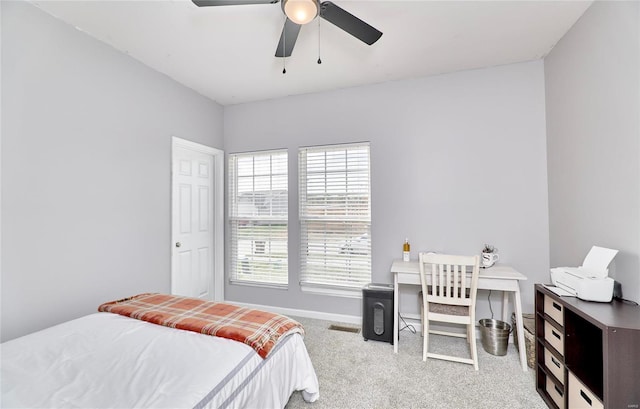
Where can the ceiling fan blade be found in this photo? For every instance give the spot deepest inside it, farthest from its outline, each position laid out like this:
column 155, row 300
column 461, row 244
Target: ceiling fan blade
column 287, row 39
column 207, row 3
column 349, row 23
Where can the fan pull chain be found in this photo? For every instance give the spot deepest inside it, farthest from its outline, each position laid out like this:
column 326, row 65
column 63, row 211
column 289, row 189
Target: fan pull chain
column 319, row 60
column 284, row 47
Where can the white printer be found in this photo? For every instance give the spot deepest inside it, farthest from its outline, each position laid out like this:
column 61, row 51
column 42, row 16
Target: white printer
column 590, row 281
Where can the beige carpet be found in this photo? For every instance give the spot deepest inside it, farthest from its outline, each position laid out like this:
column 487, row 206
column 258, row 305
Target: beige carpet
column 356, row 374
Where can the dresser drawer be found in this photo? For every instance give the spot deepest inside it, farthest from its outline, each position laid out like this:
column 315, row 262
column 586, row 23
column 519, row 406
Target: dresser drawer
column 554, row 365
column 554, row 309
column 554, row 337
column 555, row 392
column 580, row 396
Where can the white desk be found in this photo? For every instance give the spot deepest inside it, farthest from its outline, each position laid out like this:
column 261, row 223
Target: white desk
column 499, row 277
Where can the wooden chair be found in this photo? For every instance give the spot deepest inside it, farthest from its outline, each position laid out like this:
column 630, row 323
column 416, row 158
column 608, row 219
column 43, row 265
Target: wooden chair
column 449, row 295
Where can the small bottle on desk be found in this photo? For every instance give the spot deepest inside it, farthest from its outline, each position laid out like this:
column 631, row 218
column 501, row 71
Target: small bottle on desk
column 406, row 250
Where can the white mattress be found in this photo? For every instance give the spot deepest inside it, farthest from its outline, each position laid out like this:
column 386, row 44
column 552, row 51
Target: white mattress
column 107, row 360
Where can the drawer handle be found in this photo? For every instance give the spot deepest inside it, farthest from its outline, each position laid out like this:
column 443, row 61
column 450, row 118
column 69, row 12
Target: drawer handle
column 560, row 392
column 557, row 306
column 556, row 363
column 555, row 334
column 585, row 397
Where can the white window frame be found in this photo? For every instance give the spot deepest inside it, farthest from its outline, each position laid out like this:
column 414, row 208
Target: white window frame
column 255, row 255
column 327, row 253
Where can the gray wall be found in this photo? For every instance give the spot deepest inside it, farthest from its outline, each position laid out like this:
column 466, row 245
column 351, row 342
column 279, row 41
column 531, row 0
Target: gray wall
column 592, row 81
column 86, row 153
column 458, row 160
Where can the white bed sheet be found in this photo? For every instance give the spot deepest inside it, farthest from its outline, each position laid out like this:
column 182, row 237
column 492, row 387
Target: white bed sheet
column 106, row 360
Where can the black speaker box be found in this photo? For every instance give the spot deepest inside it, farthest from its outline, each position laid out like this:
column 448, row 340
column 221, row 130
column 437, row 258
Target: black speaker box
column 377, row 312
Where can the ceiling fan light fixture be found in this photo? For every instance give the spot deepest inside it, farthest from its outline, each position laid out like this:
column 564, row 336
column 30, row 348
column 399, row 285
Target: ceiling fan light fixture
column 301, row 11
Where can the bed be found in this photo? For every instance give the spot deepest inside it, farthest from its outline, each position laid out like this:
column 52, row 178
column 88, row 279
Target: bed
column 110, row 360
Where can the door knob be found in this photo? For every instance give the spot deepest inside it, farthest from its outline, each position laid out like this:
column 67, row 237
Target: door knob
column 178, row 244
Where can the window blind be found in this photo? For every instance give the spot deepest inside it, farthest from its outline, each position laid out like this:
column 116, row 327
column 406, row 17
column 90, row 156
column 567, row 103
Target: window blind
column 258, row 217
column 335, row 215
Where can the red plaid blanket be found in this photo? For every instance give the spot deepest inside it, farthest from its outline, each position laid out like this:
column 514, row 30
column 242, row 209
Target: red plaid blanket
column 260, row 330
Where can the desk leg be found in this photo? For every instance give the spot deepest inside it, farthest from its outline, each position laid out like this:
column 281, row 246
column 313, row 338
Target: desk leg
column 395, row 313
column 505, row 306
column 523, row 348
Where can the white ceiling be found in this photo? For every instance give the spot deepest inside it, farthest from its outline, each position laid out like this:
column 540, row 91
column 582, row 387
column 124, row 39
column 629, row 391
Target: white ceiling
column 227, row 53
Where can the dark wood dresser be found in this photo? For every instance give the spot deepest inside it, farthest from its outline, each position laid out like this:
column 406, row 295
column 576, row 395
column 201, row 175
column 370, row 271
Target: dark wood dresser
column 587, row 353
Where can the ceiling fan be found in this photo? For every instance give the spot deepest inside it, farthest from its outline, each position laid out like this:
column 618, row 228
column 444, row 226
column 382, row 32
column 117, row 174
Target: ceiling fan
column 300, row 12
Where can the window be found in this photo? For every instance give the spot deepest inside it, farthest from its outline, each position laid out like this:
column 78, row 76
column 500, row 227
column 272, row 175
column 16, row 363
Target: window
column 335, row 216
column 258, row 212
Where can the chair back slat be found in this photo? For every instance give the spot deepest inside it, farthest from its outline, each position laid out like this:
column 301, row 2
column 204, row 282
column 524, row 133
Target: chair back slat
column 434, row 279
column 464, row 282
column 456, row 277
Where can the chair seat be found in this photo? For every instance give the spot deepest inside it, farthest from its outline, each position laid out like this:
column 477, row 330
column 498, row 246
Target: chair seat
column 461, row 310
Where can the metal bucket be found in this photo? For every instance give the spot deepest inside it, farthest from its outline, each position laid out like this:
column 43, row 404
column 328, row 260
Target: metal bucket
column 495, row 336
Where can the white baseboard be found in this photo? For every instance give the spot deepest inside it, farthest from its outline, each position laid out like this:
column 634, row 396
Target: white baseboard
column 411, row 319
column 347, row 319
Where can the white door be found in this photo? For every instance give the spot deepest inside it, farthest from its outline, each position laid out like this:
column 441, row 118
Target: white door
column 194, row 224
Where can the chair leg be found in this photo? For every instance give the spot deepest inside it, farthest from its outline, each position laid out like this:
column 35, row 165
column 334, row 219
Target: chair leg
column 474, row 347
column 425, row 339
column 421, row 317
